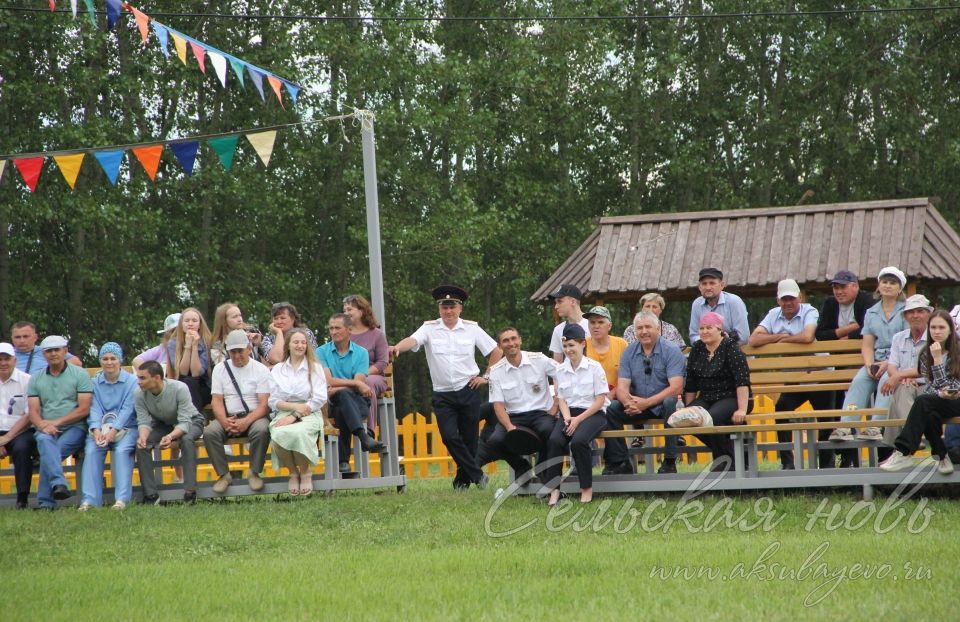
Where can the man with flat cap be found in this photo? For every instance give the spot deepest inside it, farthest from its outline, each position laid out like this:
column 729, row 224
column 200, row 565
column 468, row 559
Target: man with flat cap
column 712, row 298
column 450, row 342
column 566, row 302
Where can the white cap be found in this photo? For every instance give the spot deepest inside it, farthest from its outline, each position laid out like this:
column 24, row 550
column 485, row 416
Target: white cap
column 917, row 301
column 170, row 323
column 788, row 287
column 7, row 348
column 51, row 342
column 895, row 272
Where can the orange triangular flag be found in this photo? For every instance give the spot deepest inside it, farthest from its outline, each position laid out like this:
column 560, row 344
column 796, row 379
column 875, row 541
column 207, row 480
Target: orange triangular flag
column 150, row 159
column 199, row 52
column 276, row 84
column 181, row 44
column 70, row 167
column 263, row 144
column 143, row 23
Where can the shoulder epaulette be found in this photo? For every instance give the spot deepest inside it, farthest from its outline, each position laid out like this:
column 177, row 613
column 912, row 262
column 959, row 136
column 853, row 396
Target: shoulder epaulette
column 536, row 355
column 468, row 321
column 431, row 322
column 498, row 364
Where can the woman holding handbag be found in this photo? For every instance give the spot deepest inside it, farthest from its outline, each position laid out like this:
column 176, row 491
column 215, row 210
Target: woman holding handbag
column 298, row 392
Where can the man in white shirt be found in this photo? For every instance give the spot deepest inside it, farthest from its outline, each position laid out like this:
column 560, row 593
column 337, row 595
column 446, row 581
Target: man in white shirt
column 521, row 396
column 566, row 302
column 450, row 342
column 240, row 390
column 16, row 438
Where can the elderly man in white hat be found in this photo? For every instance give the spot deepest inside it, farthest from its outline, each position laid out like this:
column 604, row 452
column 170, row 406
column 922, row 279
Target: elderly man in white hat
column 903, row 377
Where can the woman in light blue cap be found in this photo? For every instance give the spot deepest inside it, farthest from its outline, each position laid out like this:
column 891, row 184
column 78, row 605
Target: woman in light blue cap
column 113, row 428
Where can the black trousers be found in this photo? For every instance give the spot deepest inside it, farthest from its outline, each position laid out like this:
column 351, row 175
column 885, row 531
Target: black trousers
column 493, row 448
column 22, row 449
column 722, row 412
column 579, row 445
column 926, row 419
column 458, row 413
column 615, row 449
column 349, row 411
column 820, row 400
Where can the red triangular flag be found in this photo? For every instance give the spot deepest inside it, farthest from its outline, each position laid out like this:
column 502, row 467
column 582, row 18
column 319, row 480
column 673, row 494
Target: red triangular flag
column 30, row 170
column 143, row 23
column 275, row 83
column 150, row 159
column 199, row 52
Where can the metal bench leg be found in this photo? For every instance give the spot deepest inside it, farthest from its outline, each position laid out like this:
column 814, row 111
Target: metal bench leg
column 387, row 416
column 331, row 460
column 738, row 454
column 752, row 457
column 868, row 492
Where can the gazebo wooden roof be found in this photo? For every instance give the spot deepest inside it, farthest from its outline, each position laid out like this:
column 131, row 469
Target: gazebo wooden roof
column 626, row 256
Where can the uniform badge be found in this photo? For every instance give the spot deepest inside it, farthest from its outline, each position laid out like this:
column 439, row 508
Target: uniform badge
column 536, row 388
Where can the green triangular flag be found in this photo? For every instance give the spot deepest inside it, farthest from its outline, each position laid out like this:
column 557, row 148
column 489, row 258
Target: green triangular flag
column 91, row 13
column 225, row 146
column 238, row 69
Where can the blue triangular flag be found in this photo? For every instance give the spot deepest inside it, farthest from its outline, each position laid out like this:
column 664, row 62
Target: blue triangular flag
column 257, row 80
column 293, row 89
column 114, row 8
column 186, row 154
column 110, row 161
column 162, row 36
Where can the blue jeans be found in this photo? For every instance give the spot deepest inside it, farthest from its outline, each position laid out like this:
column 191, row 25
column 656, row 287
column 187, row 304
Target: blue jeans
column 121, row 464
column 951, row 435
column 862, row 388
column 53, row 449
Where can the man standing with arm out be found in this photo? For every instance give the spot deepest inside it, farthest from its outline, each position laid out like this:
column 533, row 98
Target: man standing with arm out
column 712, row 298
column 165, row 413
column 345, row 365
column 450, row 342
column 59, row 402
column 239, row 391
column 650, row 378
column 791, row 322
column 16, row 437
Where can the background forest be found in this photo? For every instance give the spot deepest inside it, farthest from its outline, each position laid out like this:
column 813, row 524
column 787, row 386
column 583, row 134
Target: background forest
column 498, row 144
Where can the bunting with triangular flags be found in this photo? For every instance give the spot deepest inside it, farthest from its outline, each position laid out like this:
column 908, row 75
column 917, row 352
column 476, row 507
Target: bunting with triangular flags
column 186, row 154
column 110, row 162
column 225, row 146
column 70, row 167
column 149, row 157
column 219, row 63
column 263, row 144
column 30, row 170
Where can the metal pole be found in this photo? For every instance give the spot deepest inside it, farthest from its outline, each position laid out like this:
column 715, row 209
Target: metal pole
column 373, row 214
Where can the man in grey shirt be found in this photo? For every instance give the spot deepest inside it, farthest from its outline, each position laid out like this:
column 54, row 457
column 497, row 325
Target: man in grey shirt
column 165, row 413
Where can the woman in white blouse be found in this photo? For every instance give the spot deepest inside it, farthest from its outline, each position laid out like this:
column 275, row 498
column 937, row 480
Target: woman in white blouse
column 582, row 392
column 299, row 391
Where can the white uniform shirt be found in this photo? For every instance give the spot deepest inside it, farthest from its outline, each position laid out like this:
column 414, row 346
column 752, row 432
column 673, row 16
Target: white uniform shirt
column 13, row 398
column 556, row 339
column 253, row 378
column 450, row 351
column 292, row 385
column 579, row 387
column 524, row 388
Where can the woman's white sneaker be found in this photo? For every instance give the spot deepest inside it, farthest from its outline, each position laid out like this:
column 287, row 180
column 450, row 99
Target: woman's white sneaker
column 896, row 462
column 945, row 466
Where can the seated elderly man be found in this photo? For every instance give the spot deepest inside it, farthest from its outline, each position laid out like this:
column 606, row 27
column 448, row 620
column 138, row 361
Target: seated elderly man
column 240, row 391
column 791, row 321
column 650, row 378
column 16, row 436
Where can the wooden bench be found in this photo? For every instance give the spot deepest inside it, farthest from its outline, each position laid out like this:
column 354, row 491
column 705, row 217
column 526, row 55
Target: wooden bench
column 331, row 480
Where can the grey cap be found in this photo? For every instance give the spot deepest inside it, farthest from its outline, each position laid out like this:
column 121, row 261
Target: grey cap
column 52, row 342
column 170, row 323
column 237, row 340
column 917, row 301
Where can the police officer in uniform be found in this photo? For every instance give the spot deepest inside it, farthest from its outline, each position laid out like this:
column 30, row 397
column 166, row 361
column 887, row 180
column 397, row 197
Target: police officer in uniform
column 450, row 342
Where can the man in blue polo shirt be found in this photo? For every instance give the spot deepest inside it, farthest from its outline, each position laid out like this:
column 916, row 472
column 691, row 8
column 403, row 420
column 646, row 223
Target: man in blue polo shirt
column 649, row 380
column 713, row 298
column 345, row 365
column 59, row 402
column 29, row 355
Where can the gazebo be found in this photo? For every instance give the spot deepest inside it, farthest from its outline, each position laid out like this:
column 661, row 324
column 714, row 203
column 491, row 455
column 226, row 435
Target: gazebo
column 626, row 256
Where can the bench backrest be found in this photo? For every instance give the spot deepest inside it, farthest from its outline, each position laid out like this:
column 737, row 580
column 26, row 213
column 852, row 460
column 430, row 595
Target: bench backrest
column 790, row 368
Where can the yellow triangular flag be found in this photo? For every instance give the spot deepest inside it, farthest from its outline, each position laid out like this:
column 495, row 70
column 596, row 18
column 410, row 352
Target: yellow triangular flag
column 263, row 144
column 70, row 167
column 3, row 165
column 181, row 45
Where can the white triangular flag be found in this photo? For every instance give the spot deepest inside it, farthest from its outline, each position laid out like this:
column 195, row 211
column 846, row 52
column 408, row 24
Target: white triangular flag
column 220, row 65
column 263, row 144
column 73, row 5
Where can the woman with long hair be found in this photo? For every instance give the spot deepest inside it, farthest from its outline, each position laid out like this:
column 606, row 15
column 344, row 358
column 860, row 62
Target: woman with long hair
column 189, row 355
column 365, row 332
column 228, row 317
column 939, row 363
column 298, row 392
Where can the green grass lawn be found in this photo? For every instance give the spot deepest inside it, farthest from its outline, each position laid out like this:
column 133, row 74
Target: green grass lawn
column 427, row 554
